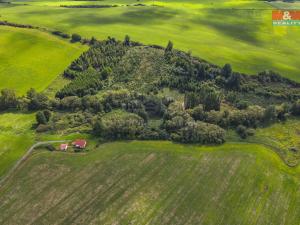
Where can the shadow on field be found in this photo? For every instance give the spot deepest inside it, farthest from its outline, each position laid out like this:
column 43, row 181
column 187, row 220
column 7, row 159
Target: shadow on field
column 238, row 24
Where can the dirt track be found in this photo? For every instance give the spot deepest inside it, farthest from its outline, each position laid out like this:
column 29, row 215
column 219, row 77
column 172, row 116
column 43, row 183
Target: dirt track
column 25, row 156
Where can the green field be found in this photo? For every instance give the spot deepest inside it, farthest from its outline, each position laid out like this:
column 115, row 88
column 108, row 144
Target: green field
column 236, row 32
column 244, row 181
column 284, row 138
column 32, row 59
column 154, row 183
column 16, row 137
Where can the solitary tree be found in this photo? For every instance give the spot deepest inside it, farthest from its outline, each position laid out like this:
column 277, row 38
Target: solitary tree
column 226, row 70
column 210, row 98
column 296, row 108
column 76, row 37
column 8, row 99
column 127, row 41
column 234, row 81
column 36, row 100
column 169, row 47
column 242, row 131
column 98, row 128
column 200, row 74
column 47, row 115
column 93, row 41
column 105, row 73
column 270, row 114
column 40, row 118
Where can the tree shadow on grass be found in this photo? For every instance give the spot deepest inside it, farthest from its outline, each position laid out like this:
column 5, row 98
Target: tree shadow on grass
column 132, row 16
column 238, row 24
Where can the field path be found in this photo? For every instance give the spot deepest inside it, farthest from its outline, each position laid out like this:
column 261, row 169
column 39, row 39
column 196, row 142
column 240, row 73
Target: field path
column 24, row 158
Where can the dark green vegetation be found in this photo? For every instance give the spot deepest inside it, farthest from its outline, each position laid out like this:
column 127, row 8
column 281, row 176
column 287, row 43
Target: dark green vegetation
column 116, row 91
column 154, row 183
column 238, row 31
column 124, row 90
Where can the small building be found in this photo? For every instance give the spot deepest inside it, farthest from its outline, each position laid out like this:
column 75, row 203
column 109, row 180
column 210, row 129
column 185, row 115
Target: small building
column 80, row 143
column 64, row 147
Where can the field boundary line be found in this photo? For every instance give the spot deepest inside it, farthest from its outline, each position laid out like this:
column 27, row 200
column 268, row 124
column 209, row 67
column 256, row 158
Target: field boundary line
column 273, row 148
column 24, row 158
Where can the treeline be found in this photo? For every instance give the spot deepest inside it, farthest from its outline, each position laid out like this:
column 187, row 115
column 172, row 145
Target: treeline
column 61, row 34
column 6, row 23
column 89, row 0
column 192, row 125
column 189, row 73
column 106, row 100
column 90, row 72
column 252, row 100
column 85, row 83
column 88, row 6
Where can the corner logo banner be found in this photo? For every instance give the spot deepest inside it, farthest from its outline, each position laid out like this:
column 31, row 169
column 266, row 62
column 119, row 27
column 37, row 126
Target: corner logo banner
column 286, row 17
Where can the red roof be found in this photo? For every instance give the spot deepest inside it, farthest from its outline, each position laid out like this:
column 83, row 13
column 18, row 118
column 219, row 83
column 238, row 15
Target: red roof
column 63, row 146
column 79, row 143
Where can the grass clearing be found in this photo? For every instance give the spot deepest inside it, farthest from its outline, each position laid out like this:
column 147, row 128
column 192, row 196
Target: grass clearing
column 236, row 32
column 152, row 183
column 284, row 138
column 16, row 137
column 32, row 59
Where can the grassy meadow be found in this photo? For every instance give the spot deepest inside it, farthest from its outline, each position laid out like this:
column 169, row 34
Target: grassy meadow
column 236, row 32
column 16, row 137
column 283, row 137
column 32, row 59
column 148, row 182
column 154, row 183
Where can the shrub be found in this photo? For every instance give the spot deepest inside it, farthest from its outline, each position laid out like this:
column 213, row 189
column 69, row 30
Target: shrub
column 242, row 131
column 242, row 105
column 198, row 113
column 36, row 100
column 210, row 97
column 270, row 114
column 119, row 125
column 200, row 132
column 175, row 118
column 226, row 70
column 249, row 117
column 47, row 115
column 8, row 99
column 50, row 147
column 126, row 41
column 76, row 38
column 296, row 108
column 169, row 47
column 61, row 34
column 40, row 118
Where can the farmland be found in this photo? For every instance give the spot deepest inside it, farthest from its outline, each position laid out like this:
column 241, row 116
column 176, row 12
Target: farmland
column 32, row 59
column 172, row 138
column 16, row 136
column 150, row 182
column 283, row 137
column 240, row 32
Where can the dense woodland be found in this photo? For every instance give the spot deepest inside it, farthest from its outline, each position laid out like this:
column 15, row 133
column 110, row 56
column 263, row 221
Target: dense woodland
column 126, row 90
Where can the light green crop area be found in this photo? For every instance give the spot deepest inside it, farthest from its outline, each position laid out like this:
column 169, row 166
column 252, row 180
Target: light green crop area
column 16, row 136
column 154, row 183
column 283, row 137
column 236, row 32
column 32, row 59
